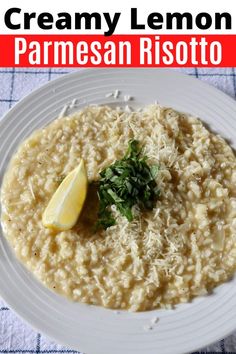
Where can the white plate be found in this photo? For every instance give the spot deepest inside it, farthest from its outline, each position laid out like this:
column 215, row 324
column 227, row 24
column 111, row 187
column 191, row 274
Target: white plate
column 95, row 330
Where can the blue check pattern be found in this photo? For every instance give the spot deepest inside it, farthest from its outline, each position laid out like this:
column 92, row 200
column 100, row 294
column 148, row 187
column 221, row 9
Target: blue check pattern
column 17, row 337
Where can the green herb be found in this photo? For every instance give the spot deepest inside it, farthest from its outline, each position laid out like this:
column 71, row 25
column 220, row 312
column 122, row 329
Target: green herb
column 125, row 183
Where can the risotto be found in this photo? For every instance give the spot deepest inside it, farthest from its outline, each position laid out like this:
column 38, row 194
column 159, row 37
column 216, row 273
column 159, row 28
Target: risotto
column 182, row 248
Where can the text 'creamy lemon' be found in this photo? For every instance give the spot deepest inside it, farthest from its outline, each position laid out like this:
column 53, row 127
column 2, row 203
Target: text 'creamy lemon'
column 67, row 202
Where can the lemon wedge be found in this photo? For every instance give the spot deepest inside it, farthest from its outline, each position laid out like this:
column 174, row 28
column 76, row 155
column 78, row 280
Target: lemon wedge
column 67, row 202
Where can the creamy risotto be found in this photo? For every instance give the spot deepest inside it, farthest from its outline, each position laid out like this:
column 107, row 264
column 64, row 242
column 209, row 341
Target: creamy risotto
column 182, row 248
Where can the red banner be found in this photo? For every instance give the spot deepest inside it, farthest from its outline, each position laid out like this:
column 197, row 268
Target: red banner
column 118, row 51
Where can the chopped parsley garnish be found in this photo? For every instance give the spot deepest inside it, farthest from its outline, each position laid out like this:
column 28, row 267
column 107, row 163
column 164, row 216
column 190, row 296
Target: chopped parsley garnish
column 127, row 182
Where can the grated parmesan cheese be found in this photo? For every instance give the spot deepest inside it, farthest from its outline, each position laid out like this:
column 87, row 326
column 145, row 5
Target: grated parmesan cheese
column 31, row 189
column 73, row 103
column 109, row 94
column 183, row 248
column 127, row 98
column 116, row 94
column 63, row 111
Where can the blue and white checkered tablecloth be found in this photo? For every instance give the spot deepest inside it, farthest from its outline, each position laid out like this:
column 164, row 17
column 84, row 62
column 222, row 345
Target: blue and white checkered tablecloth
column 16, row 336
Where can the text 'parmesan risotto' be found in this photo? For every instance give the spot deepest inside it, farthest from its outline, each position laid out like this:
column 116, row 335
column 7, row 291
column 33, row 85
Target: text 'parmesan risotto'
column 180, row 249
